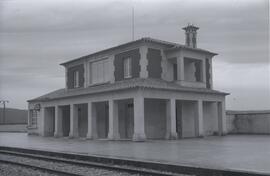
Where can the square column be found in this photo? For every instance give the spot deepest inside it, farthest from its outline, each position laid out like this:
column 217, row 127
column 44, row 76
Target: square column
column 211, row 73
column 139, row 132
column 199, row 129
column 204, row 71
column 28, row 117
column 222, row 129
column 58, row 131
column 66, row 78
column 180, row 68
column 92, row 116
column 113, row 120
column 43, row 121
column 171, row 119
column 73, row 121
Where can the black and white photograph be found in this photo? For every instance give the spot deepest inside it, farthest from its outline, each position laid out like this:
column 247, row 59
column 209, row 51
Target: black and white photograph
column 134, row 88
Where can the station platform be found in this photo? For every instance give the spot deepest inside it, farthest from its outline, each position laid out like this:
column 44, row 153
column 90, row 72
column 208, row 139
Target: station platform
column 250, row 153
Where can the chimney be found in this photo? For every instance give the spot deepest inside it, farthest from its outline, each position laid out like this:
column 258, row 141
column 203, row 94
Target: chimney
column 191, row 35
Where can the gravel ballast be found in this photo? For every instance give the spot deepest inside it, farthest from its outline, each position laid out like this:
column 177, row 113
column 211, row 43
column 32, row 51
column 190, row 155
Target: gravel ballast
column 57, row 166
column 12, row 170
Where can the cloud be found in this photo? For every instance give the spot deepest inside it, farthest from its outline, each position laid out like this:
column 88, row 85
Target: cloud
column 35, row 36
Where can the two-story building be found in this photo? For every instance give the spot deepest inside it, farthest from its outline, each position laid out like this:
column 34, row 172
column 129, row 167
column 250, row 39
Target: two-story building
column 143, row 89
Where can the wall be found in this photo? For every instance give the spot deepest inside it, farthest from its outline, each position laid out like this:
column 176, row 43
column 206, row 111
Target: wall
column 154, row 63
column 13, row 116
column 66, row 120
column 102, row 119
column 190, row 69
column 155, row 118
column 208, row 73
column 118, row 64
column 123, row 94
column 49, row 121
column 210, row 118
column 248, row 122
column 13, row 128
column 126, row 118
column 83, row 120
column 70, row 73
column 188, row 119
column 38, row 130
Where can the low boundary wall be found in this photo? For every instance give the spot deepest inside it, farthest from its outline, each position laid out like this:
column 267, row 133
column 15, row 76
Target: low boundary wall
column 248, row 122
column 13, row 127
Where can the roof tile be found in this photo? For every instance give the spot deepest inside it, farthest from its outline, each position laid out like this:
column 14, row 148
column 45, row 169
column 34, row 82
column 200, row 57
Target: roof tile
column 120, row 85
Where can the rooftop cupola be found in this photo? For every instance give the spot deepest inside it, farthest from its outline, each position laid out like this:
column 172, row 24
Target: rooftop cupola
column 191, row 35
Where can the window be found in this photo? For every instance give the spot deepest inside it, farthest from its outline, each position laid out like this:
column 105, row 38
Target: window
column 174, row 72
column 127, row 67
column 99, row 71
column 193, row 70
column 33, row 118
column 76, row 79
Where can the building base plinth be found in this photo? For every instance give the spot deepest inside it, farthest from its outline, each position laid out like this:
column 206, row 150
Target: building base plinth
column 139, row 137
column 73, row 135
column 91, row 136
column 114, row 136
column 171, row 136
column 58, row 134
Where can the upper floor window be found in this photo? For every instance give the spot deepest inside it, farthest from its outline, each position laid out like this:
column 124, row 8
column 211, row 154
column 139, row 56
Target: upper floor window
column 99, row 71
column 175, row 72
column 193, row 70
column 127, row 67
column 76, row 79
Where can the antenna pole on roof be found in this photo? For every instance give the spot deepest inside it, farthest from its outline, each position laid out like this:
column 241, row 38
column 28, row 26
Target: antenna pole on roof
column 132, row 23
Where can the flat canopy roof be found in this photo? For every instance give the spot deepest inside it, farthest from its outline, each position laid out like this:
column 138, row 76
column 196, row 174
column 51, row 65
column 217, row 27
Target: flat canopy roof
column 121, row 85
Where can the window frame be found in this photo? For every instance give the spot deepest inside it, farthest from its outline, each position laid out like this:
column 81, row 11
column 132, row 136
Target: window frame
column 76, row 78
column 127, row 67
column 33, row 118
column 103, row 63
column 175, row 72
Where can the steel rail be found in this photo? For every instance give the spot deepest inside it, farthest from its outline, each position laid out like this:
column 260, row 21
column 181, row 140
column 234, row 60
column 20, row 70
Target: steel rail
column 44, row 169
column 118, row 168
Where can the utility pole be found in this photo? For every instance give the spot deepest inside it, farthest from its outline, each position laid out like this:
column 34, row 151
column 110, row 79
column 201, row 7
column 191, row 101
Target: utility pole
column 133, row 23
column 4, row 110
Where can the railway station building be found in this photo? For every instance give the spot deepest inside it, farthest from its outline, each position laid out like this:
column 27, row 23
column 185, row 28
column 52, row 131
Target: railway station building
column 143, row 89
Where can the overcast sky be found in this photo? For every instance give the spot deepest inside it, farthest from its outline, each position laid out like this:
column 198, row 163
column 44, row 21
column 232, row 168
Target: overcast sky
column 35, row 36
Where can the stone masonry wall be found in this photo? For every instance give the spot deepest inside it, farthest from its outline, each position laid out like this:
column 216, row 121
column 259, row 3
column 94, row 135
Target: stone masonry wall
column 248, row 122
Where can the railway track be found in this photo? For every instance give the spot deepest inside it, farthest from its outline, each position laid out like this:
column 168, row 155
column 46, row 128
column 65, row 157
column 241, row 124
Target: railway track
column 108, row 165
column 111, row 167
column 44, row 169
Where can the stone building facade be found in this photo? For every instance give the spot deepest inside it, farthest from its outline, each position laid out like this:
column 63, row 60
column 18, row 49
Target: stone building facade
column 144, row 89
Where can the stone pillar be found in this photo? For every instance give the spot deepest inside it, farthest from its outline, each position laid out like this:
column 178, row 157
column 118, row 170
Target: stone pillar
column 180, row 68
column 43, row 121
column 58, row 129
column 73, row 121
column 199, row 128
column 139, row 132
column 222, row 129
column 171, row 119
column 92, row 116
column 113, row 120
column 29, row 117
